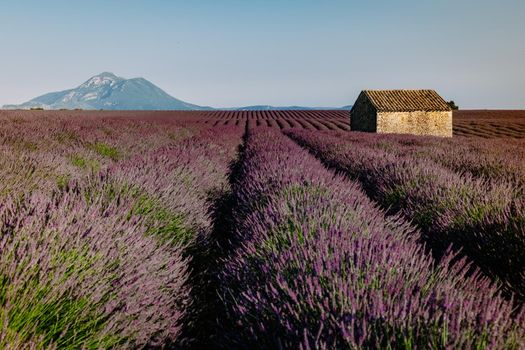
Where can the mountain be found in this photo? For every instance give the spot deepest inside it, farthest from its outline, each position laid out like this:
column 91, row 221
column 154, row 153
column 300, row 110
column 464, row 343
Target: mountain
column 107, row 91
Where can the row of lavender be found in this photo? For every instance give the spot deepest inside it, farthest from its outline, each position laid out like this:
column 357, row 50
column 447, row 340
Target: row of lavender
column 489, row 159
column 317, row 265
column 477, row 208
column 49, row 151
column 96, row 220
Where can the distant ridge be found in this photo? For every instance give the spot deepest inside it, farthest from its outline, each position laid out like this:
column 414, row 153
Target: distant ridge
column 299, row 108
column 110, row 92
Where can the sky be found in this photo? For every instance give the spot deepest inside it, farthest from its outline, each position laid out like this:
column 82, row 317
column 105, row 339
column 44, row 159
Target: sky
column 226, row 53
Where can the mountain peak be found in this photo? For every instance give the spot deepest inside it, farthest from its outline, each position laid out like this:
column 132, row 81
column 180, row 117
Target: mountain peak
column 106, row 74
column 102, row 79
column 109, row 91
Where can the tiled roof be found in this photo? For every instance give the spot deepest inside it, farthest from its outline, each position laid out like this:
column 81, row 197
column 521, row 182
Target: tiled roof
column 406, row 100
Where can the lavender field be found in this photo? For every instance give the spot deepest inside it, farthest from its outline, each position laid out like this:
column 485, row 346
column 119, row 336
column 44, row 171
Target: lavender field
column 256, row 231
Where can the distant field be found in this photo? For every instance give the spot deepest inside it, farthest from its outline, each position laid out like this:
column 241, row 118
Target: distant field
column 467, row 123
column 490, row 124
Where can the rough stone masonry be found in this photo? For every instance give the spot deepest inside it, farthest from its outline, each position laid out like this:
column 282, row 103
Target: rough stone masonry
column 416, row 112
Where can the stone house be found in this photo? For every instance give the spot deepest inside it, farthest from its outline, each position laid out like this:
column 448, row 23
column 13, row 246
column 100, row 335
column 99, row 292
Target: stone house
column 417, row 112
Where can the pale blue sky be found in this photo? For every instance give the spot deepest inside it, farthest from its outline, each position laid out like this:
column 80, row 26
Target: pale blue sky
column 281, row 52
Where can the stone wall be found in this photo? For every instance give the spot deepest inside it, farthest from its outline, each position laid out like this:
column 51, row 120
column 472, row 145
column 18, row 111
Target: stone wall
column 416, row 123
column 363, row 115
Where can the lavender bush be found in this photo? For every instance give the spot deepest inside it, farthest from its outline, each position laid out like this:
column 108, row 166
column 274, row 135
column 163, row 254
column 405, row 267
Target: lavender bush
column 83, row 274
column 180, row 183
column 483, row 218
column 95, row 230
column 491, row 159
column 318, row 266
column 46, row 152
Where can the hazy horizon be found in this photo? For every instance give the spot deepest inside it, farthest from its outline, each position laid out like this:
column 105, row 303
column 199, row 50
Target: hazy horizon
column 282, row 53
